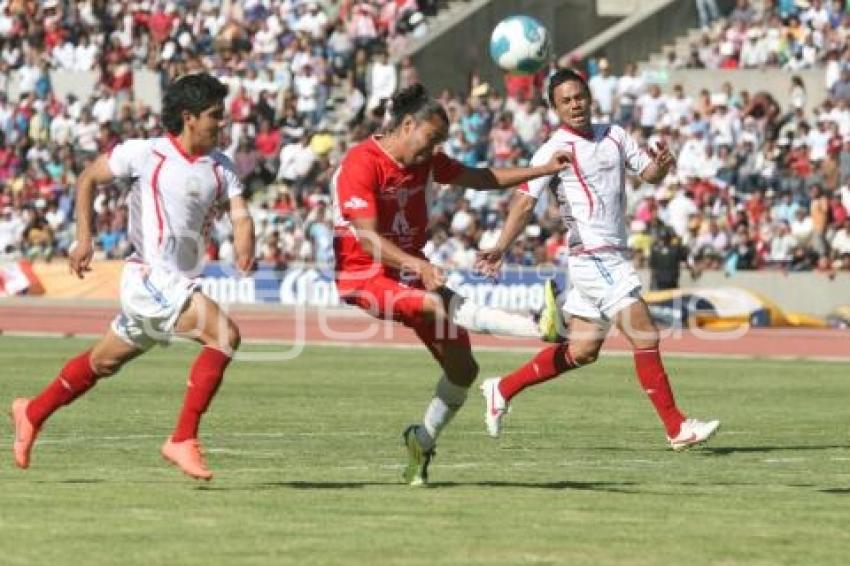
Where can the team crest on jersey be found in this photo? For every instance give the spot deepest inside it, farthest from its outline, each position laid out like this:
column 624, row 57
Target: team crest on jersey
column 400, row 223
column 193, row 187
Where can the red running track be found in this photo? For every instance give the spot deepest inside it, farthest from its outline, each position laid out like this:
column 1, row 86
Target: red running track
column 335, row 326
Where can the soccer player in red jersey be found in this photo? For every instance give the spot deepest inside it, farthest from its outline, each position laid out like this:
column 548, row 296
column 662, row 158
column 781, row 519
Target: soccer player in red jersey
column 382, row 192
column 179, row 181
column 604, row 287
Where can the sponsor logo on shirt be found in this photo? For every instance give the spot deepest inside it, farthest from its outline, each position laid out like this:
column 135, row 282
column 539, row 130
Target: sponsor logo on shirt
column 355, row 203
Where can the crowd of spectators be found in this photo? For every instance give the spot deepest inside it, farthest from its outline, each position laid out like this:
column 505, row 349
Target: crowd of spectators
column 757, row 185
column 787, row 34
column 301, row 74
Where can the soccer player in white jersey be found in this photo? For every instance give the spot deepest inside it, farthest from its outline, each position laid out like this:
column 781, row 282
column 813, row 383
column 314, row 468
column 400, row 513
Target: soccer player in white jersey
column 179, row 182
column 604, row 287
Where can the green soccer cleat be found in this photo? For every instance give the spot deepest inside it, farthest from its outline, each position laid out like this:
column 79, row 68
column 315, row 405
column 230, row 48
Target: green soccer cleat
column 416, row 472
column 550, row 320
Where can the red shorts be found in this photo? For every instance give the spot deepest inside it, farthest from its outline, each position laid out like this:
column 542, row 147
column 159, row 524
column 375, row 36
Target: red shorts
column 389, row 299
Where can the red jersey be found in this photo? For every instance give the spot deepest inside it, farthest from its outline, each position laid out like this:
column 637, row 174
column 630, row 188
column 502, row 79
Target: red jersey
column 371, row 184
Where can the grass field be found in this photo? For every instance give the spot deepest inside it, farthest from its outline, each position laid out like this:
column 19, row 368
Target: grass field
column 308, row 457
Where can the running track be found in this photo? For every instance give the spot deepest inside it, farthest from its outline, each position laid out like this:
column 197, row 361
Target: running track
column 335, row 326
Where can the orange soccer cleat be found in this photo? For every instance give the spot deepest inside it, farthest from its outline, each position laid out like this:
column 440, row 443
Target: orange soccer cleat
column 25, row 433
column 187, row 456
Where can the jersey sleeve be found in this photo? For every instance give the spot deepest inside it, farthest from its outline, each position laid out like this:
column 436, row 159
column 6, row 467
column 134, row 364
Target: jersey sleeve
column 445, row 168
column 536, row 187
column 356, row 182
column 125, row 158
column 636, row 159
column 231, row 184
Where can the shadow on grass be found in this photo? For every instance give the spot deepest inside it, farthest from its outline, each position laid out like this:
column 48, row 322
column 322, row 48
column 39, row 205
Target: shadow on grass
column 836, row 490
column 726, row 450
column 614, row 487
column 72, row 481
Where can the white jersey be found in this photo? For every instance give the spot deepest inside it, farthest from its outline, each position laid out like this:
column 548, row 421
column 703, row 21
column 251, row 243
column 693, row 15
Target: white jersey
column 591, row 194
column 172, row 200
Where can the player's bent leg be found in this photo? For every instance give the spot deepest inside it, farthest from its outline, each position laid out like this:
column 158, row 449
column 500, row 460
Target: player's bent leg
column 635, row 321
column 483, row 319
column 203, row 321
column 586, row 338
column 77, row 376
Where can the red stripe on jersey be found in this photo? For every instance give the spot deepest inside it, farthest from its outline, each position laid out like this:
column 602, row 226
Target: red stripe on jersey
column 580, row 177
column 156, row 196
column 523, row 187
column 619, row 147
column 218, row 185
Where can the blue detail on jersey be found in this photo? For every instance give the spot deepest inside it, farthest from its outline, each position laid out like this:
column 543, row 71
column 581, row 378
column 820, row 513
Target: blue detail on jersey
column 155, row 293
column 603, row 271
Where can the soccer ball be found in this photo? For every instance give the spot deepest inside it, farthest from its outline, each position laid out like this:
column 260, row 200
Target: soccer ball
column 520, row 45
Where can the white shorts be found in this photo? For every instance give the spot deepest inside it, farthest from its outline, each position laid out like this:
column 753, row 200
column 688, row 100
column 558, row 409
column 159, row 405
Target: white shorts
column 601, row 285
column 152, row 299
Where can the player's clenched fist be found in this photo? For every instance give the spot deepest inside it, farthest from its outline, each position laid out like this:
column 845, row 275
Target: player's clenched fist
column 559, row 161
column 432, row 276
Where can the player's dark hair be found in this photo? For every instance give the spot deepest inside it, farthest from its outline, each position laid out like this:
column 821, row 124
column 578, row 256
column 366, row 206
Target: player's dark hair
column 560, row 77
column 416, row 102
column 193, row 93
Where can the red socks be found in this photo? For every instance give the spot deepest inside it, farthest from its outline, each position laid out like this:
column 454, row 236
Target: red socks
column 548, row 363
column 204, row 379
column 76, row 378
column 653, row 379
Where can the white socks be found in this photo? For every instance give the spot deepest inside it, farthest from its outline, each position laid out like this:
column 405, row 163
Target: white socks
column 448, row 399
column 488, row 320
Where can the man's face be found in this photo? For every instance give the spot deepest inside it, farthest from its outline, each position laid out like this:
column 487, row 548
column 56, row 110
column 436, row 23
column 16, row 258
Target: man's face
column 205, row 127
column 573, row 104
column 422, row 138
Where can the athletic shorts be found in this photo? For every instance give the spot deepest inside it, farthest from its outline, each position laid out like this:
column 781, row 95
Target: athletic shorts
column 390, row 299
column 601, row 285
column 152, row 299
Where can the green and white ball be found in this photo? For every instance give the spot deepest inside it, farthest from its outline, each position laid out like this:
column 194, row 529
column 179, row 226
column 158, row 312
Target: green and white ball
column 520, row 45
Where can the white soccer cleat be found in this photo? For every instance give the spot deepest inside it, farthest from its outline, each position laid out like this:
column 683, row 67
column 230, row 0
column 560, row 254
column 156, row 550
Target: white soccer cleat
column 693, row 433
column 495, row 406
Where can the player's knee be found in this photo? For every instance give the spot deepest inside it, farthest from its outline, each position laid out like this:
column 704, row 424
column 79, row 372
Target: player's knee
column 104, row 367
column 646, row 339
column 584, row 356
column 464, row 372
column 433, row 308
column 234, row 337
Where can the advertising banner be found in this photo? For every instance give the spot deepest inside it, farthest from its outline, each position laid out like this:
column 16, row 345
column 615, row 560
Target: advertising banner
column 517, row 289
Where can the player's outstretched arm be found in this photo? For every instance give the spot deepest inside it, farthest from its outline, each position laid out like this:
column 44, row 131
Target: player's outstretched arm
column 244, row 238
column 389, row 254
column 492, row 178
column 489, row 261
column 82, row 250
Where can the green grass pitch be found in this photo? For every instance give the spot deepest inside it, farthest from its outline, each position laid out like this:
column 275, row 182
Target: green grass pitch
column 308, row 460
